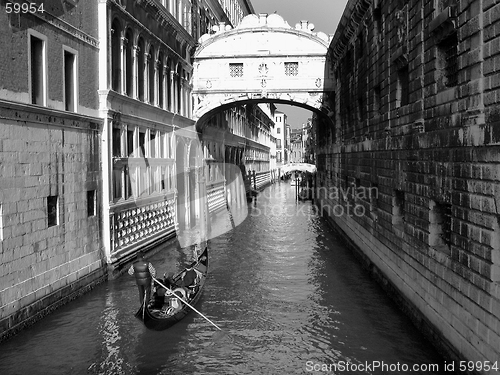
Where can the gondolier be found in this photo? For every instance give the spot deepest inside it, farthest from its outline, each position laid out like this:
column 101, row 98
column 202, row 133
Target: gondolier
column 144, row 273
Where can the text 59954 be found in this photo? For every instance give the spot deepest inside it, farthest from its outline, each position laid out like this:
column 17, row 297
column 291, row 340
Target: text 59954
column 13, row 7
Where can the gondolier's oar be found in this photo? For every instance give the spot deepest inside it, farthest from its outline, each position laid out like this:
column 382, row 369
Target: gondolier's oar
column 171, row 293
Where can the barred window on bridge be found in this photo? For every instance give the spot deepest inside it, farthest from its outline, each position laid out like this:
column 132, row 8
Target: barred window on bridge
column 291, row 68
column 236, row 69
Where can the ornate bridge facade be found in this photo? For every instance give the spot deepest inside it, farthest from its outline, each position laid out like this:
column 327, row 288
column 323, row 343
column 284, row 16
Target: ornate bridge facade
column 263, row 59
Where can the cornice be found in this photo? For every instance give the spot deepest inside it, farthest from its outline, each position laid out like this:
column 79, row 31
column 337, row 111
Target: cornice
column 164, row 17
column 67, row 28
column 353, row 14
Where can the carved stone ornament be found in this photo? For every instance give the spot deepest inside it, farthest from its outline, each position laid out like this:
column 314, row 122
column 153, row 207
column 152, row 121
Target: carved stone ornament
column 209, row 84
column 263, row 69
column 401, row 25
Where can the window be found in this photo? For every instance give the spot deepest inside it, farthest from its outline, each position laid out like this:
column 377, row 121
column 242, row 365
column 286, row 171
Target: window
column 116, row 143
column 127, row 182
column 361, row 108
column 70, row 81
column 115, row 55
column 38, row 68
column 152, row 144
column 160, row 80
column 140, row 69
column 440, row 226
column 168, row 96
column 448, row 61
column 128, row 62
column 130, row 143
column 291, row 68
column 398, row 209
column 52, row 211
column 403, row 88
column 151, row 75
column 236, row 69
column 278, row 131
column 142, row 144
column 91, row 203
column 377, row 100
column 377, row 17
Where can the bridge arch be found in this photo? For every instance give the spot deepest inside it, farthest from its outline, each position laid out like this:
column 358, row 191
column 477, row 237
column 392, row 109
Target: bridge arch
column 262, row 60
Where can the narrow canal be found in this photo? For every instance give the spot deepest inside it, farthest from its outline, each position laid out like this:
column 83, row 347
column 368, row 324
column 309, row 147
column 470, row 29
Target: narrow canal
column 289, row 297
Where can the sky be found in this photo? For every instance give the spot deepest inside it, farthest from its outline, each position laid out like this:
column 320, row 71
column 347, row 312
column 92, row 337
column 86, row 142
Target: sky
column 324, row 14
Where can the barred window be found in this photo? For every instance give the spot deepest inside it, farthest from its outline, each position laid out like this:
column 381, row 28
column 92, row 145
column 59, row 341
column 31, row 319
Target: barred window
column 440, row 229
column 236, row 69
column 449, row 50
column 291, row 68
column 403, row 88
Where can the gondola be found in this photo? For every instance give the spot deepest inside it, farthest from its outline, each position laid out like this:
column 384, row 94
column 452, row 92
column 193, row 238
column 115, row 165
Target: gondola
column 159, row 319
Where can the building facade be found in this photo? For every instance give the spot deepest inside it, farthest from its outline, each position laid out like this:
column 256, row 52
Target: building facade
column 151, row 148
column 50, row 237
column 281, row 133
column 415, row 152
column 98, row 151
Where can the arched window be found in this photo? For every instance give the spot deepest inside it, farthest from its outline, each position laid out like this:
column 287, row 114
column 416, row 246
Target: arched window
column 151, row 74
column 115, row 55
column 128, row 62
column 160, row 80
column 140, row 69
column 168, row 84
column 179, row 88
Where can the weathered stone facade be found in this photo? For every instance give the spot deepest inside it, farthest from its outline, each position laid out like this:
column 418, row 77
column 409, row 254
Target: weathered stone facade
column 414, row 154
column 50, row 239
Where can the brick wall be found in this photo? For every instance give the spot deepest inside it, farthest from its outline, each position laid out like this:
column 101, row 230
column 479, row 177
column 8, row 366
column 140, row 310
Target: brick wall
column 415, row 120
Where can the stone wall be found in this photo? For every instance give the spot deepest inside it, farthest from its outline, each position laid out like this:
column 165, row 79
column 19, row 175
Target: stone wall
column 50, row 242
column 410, row 171
column 50, row 181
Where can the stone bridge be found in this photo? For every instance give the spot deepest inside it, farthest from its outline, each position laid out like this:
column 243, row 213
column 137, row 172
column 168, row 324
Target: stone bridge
column 263, row 59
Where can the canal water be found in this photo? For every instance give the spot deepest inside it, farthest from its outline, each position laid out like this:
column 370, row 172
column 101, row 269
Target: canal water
column 290, row 299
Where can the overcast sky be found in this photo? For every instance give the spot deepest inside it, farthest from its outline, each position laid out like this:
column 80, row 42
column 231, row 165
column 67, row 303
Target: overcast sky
column 324, row 14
